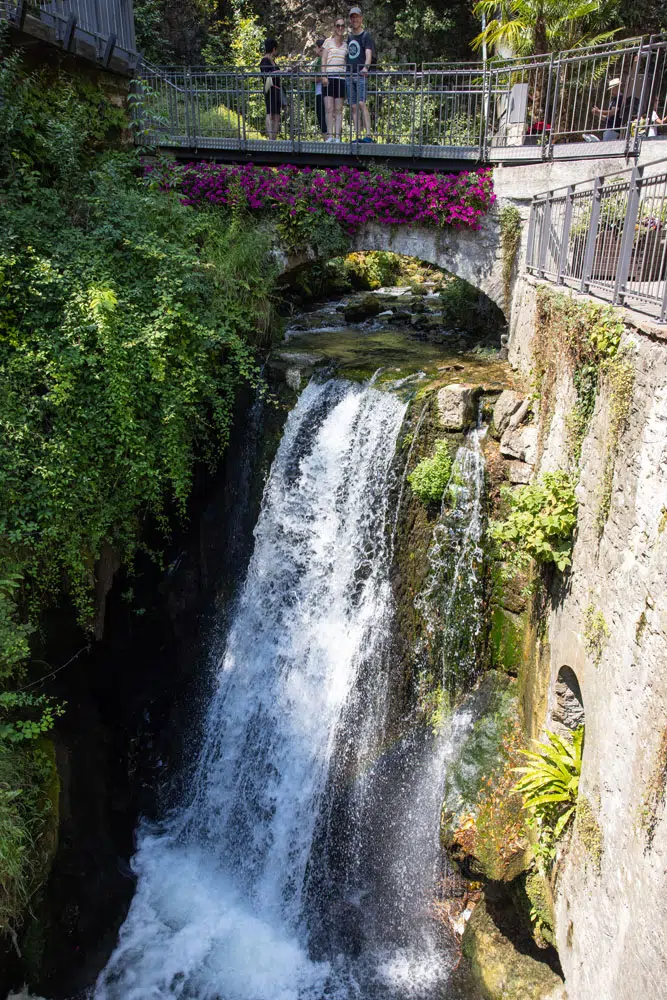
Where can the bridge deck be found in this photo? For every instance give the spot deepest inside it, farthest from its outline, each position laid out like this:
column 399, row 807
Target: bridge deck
column 517, row 110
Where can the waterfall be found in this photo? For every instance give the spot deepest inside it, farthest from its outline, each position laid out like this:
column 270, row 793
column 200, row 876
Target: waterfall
column 302, row 860
column 452, row 600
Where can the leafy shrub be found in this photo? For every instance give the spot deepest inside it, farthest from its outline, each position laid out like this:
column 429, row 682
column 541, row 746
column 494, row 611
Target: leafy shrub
column 430, row 477
column 549, row 785
column 28, row 824
column 369, row 271
column 541, row 522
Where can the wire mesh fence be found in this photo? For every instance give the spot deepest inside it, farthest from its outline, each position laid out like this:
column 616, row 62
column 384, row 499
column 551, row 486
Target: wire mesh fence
column 606, row 236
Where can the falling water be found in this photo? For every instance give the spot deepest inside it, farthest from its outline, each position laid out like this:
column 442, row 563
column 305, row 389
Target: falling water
column 302, row 863
column 452, row 600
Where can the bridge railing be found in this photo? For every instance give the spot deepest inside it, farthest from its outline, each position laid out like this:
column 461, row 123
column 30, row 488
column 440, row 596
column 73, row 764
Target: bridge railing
column 606, row 236
column 100, row 29
column 530, row 109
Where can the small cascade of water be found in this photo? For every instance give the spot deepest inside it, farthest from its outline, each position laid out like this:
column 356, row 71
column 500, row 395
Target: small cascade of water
column 452, row 600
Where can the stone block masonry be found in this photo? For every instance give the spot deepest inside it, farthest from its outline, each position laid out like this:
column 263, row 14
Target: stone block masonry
column 608, row 625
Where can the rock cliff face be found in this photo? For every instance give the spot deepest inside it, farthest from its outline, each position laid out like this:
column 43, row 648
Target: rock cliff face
column 607, row 665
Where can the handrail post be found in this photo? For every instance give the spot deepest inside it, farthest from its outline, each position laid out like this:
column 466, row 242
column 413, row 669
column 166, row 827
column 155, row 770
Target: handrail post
column 546, row 146
column 592, row 233
column 567, row 225
column 631, row 99
column 187, row 112
column 637, row 139
column 553, row 110
column 544, row 235
column 244, row 109
column 628, row 237
column 663, row 307
column 486, row 111
column 531, row 234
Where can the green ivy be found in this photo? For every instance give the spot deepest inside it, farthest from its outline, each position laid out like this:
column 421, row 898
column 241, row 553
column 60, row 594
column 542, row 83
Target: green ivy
column 540, row 523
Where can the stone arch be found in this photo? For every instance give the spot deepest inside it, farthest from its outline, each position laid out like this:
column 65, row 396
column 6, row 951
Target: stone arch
column 568, row 711
column 474, row 255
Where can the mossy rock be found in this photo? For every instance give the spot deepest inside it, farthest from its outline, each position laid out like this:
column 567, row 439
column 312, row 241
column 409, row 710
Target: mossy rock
column 361, row 309
column 507, row 637
column 501, row 970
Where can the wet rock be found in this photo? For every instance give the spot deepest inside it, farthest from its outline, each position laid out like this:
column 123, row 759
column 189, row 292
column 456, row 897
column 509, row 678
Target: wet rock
column 507, row 404
column 502, row 971
column 520, row 443
column 400, row 316
column 457, row 405
column 519, row 473
column 366, row 308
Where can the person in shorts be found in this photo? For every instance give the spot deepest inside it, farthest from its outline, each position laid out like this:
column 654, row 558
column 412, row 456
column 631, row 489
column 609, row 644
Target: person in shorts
column 273, row 93
column 360, row 49
column 334, row 53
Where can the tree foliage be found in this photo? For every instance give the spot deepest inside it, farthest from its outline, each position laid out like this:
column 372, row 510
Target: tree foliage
column 124, row 318
column 527, row 27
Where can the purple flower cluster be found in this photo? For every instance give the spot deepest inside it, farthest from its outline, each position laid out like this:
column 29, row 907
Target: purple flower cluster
column 353, row 197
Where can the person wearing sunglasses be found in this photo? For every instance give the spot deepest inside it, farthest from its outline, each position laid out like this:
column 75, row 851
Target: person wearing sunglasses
column 360, row 55
column 334, row 54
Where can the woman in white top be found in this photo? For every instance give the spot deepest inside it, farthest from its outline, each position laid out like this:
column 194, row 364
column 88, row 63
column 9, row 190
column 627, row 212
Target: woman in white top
column 334, row 56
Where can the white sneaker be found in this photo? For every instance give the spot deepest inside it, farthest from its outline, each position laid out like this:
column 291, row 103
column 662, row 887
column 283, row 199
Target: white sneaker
column 330, row 138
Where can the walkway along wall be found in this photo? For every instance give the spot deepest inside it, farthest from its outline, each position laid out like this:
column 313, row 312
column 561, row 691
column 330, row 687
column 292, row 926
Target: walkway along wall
column 605, row 648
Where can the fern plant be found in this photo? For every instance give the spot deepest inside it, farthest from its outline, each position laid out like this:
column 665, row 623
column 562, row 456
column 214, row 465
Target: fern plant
column 549, row 783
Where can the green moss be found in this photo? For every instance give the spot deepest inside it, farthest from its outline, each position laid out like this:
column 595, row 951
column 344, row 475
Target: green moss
column 656, row 791
column 596, row 633
column 640, row 628
column 510, row 241
column 501, row 970
column 619, row 380
column 507, row 639
column 588, row 833
column 542, row 915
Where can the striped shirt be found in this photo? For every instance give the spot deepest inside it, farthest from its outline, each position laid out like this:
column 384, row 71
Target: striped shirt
column 335, row 57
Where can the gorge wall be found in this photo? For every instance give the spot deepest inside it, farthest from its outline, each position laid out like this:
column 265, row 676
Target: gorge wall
column 602, row 660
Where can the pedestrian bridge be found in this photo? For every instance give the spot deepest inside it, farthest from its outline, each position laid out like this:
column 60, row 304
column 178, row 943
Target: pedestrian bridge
column 437, row 115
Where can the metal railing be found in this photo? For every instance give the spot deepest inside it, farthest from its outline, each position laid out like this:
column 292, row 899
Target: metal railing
column 606, row 236
column 103, row 27
column 558, row 105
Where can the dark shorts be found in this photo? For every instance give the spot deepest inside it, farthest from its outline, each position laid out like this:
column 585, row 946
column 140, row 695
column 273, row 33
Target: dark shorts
column 272, row 101
column 335, row 87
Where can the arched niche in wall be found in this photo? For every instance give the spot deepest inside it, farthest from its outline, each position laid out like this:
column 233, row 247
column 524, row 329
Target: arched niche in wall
column 568, row 710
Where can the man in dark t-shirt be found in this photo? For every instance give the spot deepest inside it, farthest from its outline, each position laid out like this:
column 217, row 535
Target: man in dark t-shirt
column 360, row 47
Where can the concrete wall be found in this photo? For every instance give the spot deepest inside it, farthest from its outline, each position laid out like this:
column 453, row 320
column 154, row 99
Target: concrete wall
column 611, row 890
